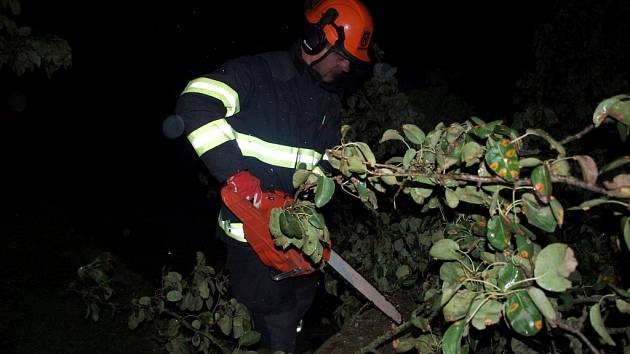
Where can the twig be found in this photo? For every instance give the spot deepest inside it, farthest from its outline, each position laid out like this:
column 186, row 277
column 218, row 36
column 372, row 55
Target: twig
column 580, row 335
column 578, row 135
column 578, row 183
column 371, row 347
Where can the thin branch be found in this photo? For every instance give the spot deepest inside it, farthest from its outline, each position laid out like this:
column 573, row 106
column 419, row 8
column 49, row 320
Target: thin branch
column 579, row 183
column 371, row 347
column 580, row 335
column 578, row 135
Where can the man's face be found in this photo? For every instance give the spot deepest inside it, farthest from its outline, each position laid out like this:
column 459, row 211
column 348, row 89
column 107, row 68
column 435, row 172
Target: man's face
column 332, row 67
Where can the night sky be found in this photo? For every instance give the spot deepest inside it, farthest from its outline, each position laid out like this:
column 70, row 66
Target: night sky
column 94, row 146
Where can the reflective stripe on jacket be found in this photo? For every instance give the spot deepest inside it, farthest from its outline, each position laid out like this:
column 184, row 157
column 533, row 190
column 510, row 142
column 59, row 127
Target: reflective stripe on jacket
column 265, row 113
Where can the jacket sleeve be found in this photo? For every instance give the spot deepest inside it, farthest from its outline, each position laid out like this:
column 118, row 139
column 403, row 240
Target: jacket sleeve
column 206, row 105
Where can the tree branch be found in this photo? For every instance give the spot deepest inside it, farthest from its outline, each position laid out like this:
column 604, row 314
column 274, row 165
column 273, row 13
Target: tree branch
column 580, row 335
column 371, row 347
column 579, row 183
column 578, row 135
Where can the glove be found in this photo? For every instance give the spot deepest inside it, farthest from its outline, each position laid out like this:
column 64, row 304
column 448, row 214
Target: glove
column 247, row 185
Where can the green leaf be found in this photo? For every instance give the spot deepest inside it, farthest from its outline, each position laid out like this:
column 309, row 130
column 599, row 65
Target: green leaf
column 529, row 162
column 413, row 133
column 553, row 265
column 274, row 222
column 366, row 152
column 403, row 271
column 457, row 307
column 595, row 317
column 408, row 158
column 325, row 190
column 225, row 324
column 557, row 210
column 489, row 313
column 472, row 195
column 174, row 296
column 537, row 215
column 522, row 314
column 510, row 274
column 317, row 220
column 405, row 343
column 617, row 107
column 451, row 342
column 290, row 225
column 249, row 338
column 501, row 158
column 299, row 177
column 620, row 161
column 386, row 175
column 622, row 306
column 542, row 302
column 144, row 301
column 484, row 130
column 541, row 180
column 391, row 134
column 445, row 249
column 560, row 168
column 477, row 120
column 471, row 152
column 452, row 272
column 499, row 232
column 356, row 165
column 591, row 203
column 524, row 247
column 451, row 198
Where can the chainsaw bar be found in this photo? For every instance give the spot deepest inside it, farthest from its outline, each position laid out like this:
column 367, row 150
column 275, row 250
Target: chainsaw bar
column 364, row 287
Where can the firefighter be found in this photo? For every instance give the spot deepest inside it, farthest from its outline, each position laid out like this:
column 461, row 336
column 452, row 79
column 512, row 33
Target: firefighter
column 266, row 114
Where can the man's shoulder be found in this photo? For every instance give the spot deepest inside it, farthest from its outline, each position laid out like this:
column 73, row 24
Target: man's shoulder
column 281, row 64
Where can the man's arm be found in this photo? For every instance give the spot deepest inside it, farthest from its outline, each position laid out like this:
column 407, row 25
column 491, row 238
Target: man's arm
column 207, row 105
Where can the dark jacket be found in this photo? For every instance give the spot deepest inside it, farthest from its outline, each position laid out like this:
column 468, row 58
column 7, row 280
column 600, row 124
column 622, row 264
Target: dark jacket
column 264, row 113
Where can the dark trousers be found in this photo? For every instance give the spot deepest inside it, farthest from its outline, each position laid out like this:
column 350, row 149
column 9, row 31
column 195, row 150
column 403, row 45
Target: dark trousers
column 276, row 306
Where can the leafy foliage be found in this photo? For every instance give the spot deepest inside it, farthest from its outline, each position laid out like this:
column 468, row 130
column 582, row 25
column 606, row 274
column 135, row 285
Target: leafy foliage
column 190, row 314
column 493, row 265
column 23, row 51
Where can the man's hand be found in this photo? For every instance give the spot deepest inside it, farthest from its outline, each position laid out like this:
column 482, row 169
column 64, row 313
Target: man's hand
column 248, row 185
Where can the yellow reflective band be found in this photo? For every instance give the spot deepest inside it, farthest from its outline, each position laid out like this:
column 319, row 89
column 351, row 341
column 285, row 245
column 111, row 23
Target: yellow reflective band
column 232, row 229
column 211, row 135
column 275, row 154
column 218, row 90
column 219, row 131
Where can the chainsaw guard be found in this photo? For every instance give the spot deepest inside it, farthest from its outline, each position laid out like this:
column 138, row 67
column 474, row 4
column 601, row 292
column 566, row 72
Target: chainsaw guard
column 256, row 229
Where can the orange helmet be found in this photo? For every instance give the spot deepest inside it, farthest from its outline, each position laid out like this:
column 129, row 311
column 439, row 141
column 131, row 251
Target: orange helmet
column 345, row 24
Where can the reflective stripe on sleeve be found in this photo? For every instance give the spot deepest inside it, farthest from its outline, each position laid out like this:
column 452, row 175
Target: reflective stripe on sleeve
column 211, row 135
column 276, row 154
column 218, row 90
column 219, row 131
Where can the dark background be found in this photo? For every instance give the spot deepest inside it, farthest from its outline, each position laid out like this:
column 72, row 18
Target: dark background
column 90, row 142
column 86, row 166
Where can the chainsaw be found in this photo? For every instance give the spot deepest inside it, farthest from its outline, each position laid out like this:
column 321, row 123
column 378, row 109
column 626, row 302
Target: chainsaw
column 291, row 262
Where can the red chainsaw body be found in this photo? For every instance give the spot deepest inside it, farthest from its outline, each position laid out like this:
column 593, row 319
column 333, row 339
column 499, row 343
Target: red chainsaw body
column 256, row 228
